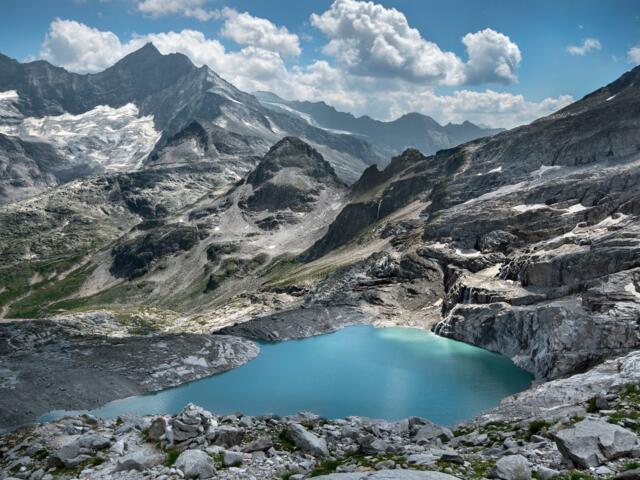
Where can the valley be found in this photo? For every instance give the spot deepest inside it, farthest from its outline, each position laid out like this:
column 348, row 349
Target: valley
column 210, row 221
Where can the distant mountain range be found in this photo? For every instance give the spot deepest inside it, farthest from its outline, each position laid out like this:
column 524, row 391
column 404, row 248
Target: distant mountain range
column 163, row 112
column 412, row 130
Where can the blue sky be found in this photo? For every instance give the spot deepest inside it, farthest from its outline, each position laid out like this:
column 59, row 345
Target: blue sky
column 527, row 45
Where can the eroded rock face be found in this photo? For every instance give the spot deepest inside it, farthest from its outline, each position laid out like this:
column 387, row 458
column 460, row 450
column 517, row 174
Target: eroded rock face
column 290, row 176
column 134, row 258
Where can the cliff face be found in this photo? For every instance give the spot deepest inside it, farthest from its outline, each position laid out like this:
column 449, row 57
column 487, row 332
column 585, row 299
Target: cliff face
column 535, row 230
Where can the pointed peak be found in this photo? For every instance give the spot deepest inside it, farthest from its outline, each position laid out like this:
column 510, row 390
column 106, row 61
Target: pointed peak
column 291, row 146
column 148, row 50
column 291, row 152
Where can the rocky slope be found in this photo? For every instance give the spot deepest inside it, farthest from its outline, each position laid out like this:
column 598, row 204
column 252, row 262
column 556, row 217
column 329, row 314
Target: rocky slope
column 534, row 232
column 583, row 428
column 524, row 243
column 159, row 110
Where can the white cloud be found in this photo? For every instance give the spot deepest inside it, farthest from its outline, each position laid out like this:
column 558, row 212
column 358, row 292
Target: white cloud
column 368, row 39
column 493, row 57
column 188, row 8
column 634, row 55
column 80, row 48
column 588, row 45
column 245, row 29
column 487, row 107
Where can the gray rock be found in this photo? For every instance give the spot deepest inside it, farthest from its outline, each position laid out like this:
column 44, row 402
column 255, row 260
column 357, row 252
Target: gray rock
column 260, row 444
column 157, row 429
column 226, row 436
column 370, row 445
column 389, row 475
column 307, row 441
column 629, row 475
column 232, row 459
column 590, row 443
column 430, row 431
column 140, row 460
column 511, row 467
column 195, row 464
column 545, row 473
column 93, row 441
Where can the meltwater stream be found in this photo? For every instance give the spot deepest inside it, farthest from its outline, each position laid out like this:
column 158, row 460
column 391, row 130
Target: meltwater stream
column 388, row 373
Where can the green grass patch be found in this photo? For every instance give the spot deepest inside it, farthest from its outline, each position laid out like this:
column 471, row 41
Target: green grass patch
column 35, row 304
column 16, row 279
column 326, row 467
column 170, row 456
column 536, row 428
column 285, row 441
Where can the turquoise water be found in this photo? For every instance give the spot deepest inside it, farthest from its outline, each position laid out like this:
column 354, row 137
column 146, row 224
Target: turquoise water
column 389, row 373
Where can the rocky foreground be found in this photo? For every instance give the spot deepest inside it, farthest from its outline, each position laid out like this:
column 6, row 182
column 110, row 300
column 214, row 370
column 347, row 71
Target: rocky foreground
column 581, row 427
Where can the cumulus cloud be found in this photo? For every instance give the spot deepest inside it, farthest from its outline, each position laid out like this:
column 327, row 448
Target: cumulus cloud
column 634, row 55
column 81, row 48
column 588, row 45
column 488, row 107
column 245, row 29
column 493, row 57
column 188, row 8
column 369, row 39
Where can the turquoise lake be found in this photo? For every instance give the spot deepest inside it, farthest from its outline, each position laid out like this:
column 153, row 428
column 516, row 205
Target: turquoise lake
column 388, row 373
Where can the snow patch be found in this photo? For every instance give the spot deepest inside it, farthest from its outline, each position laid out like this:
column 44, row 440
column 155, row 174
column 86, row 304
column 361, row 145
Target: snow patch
column 544, row 169
column 9, row 95
column 631, row 288
column 526, row 208
column 8, row 111
column 114, row 138
column 467, row 252
column 611, row 97
column 578, row 207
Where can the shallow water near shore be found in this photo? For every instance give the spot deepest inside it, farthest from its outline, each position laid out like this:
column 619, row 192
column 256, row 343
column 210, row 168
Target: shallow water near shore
column 388, row 373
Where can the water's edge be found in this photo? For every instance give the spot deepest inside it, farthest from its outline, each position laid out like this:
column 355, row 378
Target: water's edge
column 473, row 364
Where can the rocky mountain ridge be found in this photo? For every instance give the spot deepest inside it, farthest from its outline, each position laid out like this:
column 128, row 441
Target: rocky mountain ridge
column 164, row 99
column 524, row 243
column 412, row 130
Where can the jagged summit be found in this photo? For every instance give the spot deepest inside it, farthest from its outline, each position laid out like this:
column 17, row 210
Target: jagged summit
column 292, row 153
column 290, row 176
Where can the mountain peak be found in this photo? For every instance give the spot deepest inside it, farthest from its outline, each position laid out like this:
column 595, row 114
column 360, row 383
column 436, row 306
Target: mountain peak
column 291, row 152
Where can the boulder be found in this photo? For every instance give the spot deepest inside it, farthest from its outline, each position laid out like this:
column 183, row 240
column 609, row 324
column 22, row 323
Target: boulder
column 157, row 429
column 629, row 475
column 591, row 442
column 511, row 467
column 232, row 459
column 140, row 460
column 389, row 475
column 226, row 436
column 370, row 445
column 430, row 431
column 307, row 441
column 195, row 464
column 546, row 473
column 260, row 444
